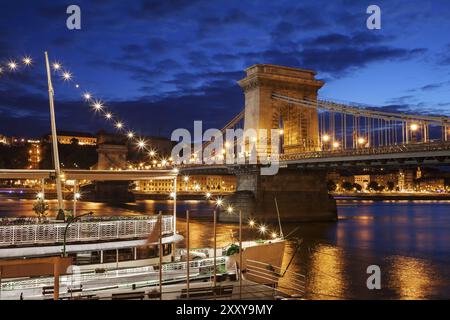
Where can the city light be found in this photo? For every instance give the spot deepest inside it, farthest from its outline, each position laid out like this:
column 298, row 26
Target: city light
column 208, row 195
column 130, row 134
column 325, row 138
column 172, row 194
column 414, row 127
column 119, row 125
column 175, row 170
column 1, row 70
column 281, row 132
column 262, row 229
column 27, row 61
column 186, row 178
column 251, row 223
column 97, row 106
column 361, row 140
column 77, row 196
column 219, row 202
column 12, row 65
column 336, row 145
column 66, row 75
column 152, row 153
column 108, row 115
column 56, row 66
column 163, row 162
column 274, row 235
column 230, row 209
column 87, row 96
column 141, row 144
column 40, row 195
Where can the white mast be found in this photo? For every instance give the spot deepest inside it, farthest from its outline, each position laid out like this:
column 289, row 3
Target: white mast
column 51, row 93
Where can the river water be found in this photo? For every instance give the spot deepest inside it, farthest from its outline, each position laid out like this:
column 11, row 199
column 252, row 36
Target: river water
column 408, row 240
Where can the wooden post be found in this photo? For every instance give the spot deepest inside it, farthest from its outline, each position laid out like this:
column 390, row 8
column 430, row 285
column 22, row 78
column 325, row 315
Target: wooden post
column 56, row 279
column 240, row 254
column 187, row 254
column 160, row 255
column 75, row 191
column 215, row 253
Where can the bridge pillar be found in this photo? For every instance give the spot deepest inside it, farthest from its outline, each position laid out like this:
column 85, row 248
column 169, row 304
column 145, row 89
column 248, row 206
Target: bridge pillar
column 300, row 124
column 112, row 155
column 302, row 196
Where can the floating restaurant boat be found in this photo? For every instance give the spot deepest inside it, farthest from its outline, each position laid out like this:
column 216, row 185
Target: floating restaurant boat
column 94, row 243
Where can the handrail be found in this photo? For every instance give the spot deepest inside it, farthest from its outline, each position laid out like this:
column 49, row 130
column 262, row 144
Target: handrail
column 81, row 231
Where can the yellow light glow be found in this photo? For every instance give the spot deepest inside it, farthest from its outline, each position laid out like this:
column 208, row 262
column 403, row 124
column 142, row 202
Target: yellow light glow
column 141, row 144
column 56, row 66
column 12, row 65
column 208, row 195
column 274, row 235
column 219, row 202
column 152, row 153
column 66, row 75
column 130, row 134
column 361, row 140
column 414, row 126
column 262, row 229
column 87, row 96
column 77, row 196
column 251, row 223
column 186, row 179
column 230, row 209
column 336, row 145
column 119, row 125
column 326, row 138
column 281, row 132
column 108, row 115
column 27, row 61
column 97, row 105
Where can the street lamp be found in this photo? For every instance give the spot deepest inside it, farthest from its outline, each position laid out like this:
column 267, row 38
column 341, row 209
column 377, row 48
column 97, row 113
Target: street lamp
column 67, row 228
column 414, row 126
column 361, row 140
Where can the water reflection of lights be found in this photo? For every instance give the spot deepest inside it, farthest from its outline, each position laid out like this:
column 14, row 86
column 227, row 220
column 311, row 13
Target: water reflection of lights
column 411, row 277
column 328, row 270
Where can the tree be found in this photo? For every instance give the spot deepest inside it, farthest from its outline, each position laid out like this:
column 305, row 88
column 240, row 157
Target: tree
column 331, row 186
column 390, row 185
column 373, row 185
column 348, row 186
column 40, row 208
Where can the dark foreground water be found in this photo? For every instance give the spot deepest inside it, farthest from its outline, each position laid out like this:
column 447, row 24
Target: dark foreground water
column 408, row 240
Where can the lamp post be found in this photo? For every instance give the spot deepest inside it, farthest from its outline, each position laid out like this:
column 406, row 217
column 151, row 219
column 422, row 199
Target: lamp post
column 67, row 228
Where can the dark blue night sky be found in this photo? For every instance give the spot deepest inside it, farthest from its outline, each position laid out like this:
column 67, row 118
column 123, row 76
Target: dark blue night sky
column 161, row 65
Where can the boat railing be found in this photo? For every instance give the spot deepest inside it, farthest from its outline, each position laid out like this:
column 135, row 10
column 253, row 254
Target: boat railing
column 68, row 280
column 16, row 235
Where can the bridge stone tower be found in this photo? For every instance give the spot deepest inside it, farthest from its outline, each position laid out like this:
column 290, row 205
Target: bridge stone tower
column 112, row 154
column 299, row 124
column 301, row 195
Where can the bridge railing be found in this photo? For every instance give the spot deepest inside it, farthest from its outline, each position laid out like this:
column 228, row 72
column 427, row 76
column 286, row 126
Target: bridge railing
column 17, row 235
column 401, row 148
